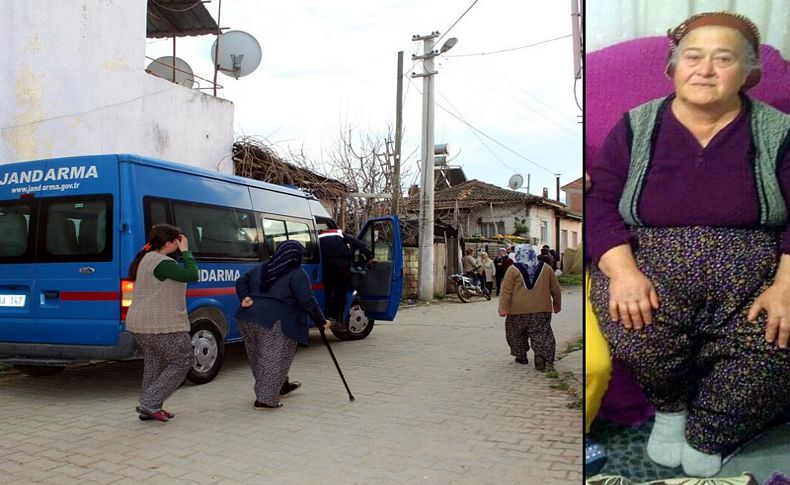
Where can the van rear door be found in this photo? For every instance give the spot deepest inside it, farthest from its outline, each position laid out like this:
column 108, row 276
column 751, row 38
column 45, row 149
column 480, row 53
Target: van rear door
column 73, row 289
column 17, row 270
column 380, row 287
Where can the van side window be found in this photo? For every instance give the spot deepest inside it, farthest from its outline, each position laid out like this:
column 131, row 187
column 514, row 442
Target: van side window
column 14, row 230
column 299, row 231
column 274, row 233
column 77, row 227
column 217, row 231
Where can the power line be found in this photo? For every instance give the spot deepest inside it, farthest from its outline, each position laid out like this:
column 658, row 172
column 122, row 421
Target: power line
column 489, row 137
column 511, row 49
column 476, row 135
column 459, row 19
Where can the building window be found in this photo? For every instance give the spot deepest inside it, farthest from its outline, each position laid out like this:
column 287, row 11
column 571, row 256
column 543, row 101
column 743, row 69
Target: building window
column 574, row 238
column 563, row 240
column 487, row 229
column 544, row 231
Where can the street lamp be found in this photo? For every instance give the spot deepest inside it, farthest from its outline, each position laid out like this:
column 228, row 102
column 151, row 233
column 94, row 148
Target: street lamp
column 426, row 270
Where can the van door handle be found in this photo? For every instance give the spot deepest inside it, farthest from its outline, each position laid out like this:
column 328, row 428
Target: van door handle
column 51, row 294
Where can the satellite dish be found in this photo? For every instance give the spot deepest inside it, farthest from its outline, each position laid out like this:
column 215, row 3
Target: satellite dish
column 239, row 53
column 515, row 181
column 163, row 67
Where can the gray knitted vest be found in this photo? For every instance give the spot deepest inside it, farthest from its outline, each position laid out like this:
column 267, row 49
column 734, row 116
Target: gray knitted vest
column 157, row 306
column 770, row 138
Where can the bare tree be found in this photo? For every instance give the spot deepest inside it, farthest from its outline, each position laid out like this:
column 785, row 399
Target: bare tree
column 364, row 164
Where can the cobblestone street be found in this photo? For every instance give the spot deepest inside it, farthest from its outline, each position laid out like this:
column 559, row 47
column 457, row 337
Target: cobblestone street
column 438, row 400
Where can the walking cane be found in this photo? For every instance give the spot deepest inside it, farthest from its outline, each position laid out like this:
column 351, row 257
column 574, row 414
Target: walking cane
column 337, row 366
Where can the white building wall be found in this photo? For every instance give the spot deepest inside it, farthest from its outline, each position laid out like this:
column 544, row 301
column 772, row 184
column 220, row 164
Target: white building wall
column 537, row 214
column 572, row 226
column 73, row 84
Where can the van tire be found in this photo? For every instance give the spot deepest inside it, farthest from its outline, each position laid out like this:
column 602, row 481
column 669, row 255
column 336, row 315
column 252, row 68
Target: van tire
column 40, row 370
column 358, row 329
column 209, row 348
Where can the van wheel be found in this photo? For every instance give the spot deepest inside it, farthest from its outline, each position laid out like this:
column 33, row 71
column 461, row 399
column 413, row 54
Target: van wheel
column 359, row 325
column 40, row 370
column 209, row 348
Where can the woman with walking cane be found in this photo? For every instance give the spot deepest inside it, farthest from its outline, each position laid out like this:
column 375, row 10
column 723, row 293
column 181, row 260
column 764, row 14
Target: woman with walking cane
column 276, row 302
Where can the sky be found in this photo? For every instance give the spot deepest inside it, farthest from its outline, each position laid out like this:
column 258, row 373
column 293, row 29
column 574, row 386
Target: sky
column 328, row 66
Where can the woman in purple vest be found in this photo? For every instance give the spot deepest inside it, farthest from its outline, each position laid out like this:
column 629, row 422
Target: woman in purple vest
column 691, row 282
column 157, row 317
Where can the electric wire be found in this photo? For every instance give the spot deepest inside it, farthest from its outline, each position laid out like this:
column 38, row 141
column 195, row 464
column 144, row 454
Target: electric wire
column 489, row 137
column 512, row 48
column 476, row 135
column 459, row 19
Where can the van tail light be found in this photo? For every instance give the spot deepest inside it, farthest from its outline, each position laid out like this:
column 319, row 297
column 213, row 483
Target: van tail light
column 126, row 296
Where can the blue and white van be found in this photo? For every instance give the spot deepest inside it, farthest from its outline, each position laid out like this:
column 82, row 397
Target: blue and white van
column 69, row 227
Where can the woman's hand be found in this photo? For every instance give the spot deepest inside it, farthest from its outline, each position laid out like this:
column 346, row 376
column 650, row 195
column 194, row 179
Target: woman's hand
column 632, row 296
column 632, row 299
column 557, row 307
column 502, row 313
column 183, row 244
column 775, row 301
column 246, row 302
column 327, row 324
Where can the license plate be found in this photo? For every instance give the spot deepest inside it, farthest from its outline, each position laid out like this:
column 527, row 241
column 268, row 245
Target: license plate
column 12, row 300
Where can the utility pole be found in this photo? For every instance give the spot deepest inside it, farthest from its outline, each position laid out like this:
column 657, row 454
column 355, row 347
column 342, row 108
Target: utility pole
column 398, row 129
column 557, row 222
column 426, row 270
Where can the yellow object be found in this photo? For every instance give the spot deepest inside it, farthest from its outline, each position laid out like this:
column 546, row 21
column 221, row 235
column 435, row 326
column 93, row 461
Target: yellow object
column 597, row 361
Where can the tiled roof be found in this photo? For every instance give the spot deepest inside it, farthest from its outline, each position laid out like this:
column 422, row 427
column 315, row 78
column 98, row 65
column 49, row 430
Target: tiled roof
column 575, row 185
column 475, row 193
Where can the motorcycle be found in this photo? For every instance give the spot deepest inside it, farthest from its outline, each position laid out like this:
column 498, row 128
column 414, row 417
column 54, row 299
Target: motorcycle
column 466, row 288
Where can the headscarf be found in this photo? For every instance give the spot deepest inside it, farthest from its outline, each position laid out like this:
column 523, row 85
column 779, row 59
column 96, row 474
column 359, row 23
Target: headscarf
column 527, row 263
column 287, row 257
column 732, row 20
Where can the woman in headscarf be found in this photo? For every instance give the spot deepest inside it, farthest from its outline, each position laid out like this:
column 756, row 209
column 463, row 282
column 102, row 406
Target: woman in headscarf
column 276, row 305
column 530, row 292
column 691, row 282
column 488, row 272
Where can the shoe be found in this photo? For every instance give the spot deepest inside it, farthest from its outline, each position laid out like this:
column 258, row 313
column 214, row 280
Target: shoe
column 522, row 360
column 289, row 387
column 260, row 405
column 540, row 363
column 594, row 457
column 160, row 415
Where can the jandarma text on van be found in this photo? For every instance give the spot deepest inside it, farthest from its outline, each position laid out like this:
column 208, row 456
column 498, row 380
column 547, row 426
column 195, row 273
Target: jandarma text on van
column 61, row 173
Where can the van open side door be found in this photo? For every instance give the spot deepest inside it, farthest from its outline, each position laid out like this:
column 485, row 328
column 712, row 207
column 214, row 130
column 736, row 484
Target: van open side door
column 379, row 287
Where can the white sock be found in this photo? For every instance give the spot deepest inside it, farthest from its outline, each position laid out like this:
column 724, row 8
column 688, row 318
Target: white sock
column 699, row 464
column 665, row 445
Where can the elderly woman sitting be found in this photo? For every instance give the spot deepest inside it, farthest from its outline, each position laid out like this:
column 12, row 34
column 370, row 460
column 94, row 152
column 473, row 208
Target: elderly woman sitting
column 692, row 276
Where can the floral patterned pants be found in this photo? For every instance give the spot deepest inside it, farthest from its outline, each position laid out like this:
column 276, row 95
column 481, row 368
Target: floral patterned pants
column 700, row 354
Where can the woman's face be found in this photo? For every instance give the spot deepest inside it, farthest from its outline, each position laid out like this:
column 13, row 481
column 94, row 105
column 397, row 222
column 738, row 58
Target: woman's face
column 710, row 68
